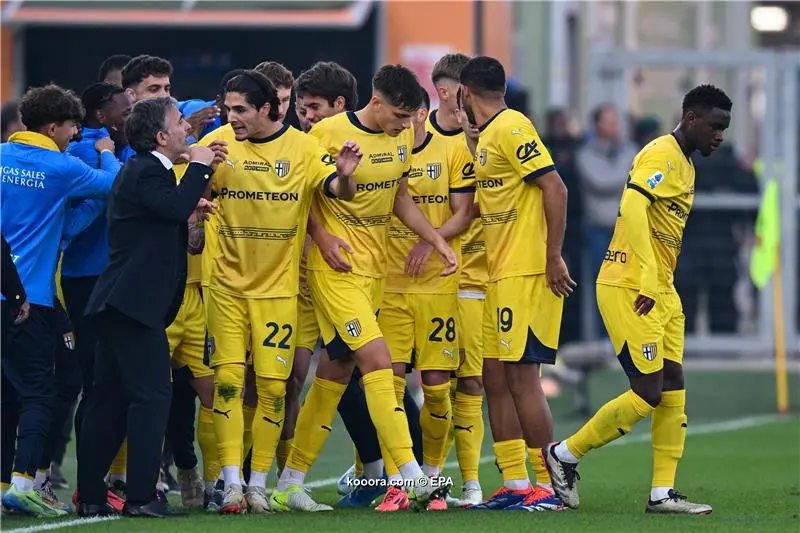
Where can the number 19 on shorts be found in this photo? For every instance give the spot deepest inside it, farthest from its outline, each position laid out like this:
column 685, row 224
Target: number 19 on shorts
column 505, row 319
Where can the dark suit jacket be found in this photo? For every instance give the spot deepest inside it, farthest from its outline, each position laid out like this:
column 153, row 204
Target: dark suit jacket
column 148, row 238
column 12, row 288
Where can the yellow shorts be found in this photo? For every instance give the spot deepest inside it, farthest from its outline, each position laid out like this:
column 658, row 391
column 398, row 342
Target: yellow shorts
column 525, row 318
column 266, row 324
column 307, row 328
column 187, row 334
column 346, row 306
column 423, row 325
column 471, row 306
column 642, row 342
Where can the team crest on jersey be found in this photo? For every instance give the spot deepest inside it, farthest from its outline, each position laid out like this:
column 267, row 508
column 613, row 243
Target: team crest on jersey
column 282, row 168
column 353, row 328
column 69, row 340
column 211, row 346
column 434, row 170
column 650, row 351
column 401, row 153
column 655, row 179
column 482, row 157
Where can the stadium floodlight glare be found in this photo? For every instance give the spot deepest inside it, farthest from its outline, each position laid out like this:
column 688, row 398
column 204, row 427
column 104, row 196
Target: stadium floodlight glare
column 769, row 18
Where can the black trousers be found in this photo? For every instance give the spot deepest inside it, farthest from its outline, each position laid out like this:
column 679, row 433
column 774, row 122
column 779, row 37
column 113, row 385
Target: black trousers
column 76, row 295
column 181, row 425
column 131, row 397
column 28, row 356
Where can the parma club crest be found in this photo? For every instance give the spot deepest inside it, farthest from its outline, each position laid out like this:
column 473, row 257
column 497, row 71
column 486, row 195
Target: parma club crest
column 282, row 168
column 434, row 170
column 69, row 340
column 650, row 351
column 353, row 328
column 482, row 157
column 402, row 152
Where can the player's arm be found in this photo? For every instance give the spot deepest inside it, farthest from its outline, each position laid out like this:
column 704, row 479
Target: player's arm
column 81, row 216
column 633, row 211
column 409, row 213
column 531, row 159
column 342, row 185
column 87, row 182
column 329, row 245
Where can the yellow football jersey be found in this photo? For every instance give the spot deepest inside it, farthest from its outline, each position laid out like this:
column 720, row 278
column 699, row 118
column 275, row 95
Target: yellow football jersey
column 663, row 174
column 510, row 156
column 264, row 191
column 362, row 222
column 438, row 169
column 194, row 262
column 211, row 226
column 474, row 274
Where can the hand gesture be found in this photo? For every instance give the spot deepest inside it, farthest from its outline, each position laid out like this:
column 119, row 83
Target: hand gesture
column 201, row 154
column 23, row 313
column 220, row 153
column 203, row 211
column 330, row 248
column 643, row 305
column 448, row 256
column 348, row 159
column 200, row 118
column 104, row 144
column 417, row 258
column 558, row 279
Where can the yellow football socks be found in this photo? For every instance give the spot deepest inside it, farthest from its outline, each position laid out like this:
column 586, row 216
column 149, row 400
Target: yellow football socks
column 388, row 417
column 229, row 423
column 392, row 471
column 314, row 423
column 359, row 464
column 435, row 422
column 668, row 432
column 468, row 426
column 248, row 415
column 613, row 420
column 119, row 466
column 539, row 468
column 511, row 460
column 207, row 439
column 268, row 423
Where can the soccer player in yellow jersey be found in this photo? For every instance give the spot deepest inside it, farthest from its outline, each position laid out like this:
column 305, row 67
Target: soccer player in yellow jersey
column 264, row 192
column 467, row 396
column 346, row 303
column 420, row 307
column 641, row 309
column 523, row 209
column 323, row 90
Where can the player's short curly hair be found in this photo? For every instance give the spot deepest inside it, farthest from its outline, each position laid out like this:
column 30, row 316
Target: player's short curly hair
column 399, row 86
column 449, row 67
column 706, row 97
column 257, row 89
column 328, row 80
column 97, row 95
column 279, row 75
column 484, row 74
column 45, row 105
column 112, row 63
column 140, row 67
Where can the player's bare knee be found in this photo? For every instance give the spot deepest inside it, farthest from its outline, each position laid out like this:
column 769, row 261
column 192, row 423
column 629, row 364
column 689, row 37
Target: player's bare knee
column 339, row 370
column 205, row 390
column 399, row 370
column 494, row 378
column 673, row 376
column 431, row 378
column 648, row 388
column 472, row 385
column 373, row 356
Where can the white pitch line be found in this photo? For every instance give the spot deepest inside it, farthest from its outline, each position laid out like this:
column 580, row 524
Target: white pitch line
column 701, row 429
column 60, row 525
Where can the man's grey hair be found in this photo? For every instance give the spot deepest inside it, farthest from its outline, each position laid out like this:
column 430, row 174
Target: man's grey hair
column 148, row 117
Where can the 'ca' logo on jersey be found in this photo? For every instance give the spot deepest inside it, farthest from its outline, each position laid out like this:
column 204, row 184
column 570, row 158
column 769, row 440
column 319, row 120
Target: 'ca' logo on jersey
column 650, row 351
column 434, row 170
column 353, row 328
column 282, row 168
column 401, row 153
column 482, row 157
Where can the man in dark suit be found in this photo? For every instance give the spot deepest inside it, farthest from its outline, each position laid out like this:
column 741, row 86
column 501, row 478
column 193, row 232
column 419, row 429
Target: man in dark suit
column 136, row 297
